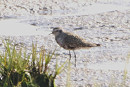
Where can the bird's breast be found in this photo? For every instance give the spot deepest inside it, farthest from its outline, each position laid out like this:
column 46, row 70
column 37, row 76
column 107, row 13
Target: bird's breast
column 60, row 41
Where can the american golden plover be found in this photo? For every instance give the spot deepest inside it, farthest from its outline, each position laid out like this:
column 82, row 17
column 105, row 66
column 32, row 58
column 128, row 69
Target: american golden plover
column 71, row 41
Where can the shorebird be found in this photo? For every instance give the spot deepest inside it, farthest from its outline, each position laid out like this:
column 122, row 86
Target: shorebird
column 70, row 41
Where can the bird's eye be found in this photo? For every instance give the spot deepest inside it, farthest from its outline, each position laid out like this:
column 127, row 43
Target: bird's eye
column 60, row 31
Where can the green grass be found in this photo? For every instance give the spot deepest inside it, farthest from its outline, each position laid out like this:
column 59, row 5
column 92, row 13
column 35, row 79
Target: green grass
column 18, row 68
column 21, row 69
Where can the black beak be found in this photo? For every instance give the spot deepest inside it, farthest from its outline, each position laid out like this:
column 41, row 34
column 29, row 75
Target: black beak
column 51, row 27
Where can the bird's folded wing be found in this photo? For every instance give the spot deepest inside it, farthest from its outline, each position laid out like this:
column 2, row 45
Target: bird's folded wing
column 74, row 41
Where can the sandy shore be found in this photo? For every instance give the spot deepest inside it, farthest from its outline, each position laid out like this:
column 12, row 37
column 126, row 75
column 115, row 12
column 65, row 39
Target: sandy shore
column 97, row 67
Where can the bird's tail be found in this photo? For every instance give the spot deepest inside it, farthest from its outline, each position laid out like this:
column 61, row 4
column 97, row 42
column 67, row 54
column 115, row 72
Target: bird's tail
column 98, row 44
column 93, row 45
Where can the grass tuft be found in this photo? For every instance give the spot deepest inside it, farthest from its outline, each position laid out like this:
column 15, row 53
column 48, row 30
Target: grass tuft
column 21, row 69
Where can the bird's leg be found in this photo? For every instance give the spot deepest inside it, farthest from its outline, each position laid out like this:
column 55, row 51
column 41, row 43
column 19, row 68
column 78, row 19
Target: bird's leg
column 69, row 55
column 75, row 58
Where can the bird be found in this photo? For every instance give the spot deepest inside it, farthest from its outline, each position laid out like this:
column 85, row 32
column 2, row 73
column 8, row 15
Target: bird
column 71, row 41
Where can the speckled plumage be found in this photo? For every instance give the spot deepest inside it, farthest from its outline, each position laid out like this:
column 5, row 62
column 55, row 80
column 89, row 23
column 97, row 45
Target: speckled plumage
column 71, row 41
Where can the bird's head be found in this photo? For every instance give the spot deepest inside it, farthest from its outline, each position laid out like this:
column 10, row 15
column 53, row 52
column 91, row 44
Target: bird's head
column 56, row 31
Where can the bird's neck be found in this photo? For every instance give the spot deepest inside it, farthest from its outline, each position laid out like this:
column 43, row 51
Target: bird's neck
column 58, row 34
